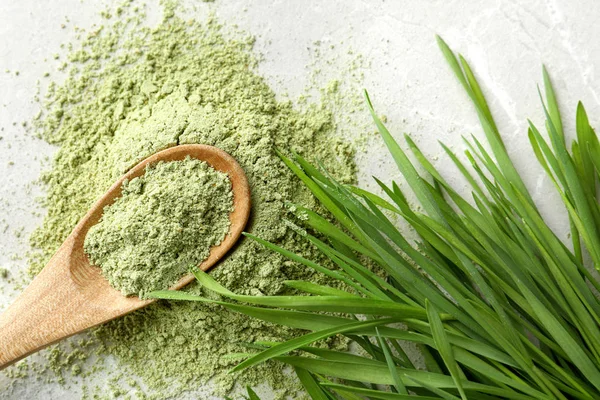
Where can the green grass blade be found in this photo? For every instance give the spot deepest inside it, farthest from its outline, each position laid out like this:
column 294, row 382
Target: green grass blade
column 294, row 257
column 443, row 346
column 340, row 356
column 585, row 136
column 295, row 343
column 453, row 63
column 313, row 288
column 251, row 394
column 478, row 96
column 571, row 345
column 553, row 109
column 312, row 387
column 400, row 388
column 373, row 197
column 379, row 374
column 374, row 394
column 575, row 191
column 321, row 195
column 441, row 393
column 342, row 304
column 320, row 224
column 405, row 166
column 374, row 285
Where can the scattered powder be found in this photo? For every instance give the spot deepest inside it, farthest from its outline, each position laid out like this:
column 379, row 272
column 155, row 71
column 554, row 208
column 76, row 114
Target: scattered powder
column 133, row 90
column 163, row 224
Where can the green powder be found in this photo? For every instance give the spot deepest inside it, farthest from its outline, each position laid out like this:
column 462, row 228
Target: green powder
column 164, row 223
column 133, row 91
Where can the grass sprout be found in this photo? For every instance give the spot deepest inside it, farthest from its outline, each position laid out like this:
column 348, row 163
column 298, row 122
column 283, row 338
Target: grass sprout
column 500, row 306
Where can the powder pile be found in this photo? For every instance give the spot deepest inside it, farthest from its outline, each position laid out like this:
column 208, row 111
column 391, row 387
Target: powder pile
column 132, row 91
column 163, row 224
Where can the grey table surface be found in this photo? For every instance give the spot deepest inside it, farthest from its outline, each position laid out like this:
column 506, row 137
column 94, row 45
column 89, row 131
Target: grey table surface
column 506, row 42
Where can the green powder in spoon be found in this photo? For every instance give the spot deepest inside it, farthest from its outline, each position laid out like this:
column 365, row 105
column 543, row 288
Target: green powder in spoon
column 165, row 222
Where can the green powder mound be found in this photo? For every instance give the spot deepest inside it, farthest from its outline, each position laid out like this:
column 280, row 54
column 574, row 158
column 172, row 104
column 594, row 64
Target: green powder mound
column 163, row 224
column 134, row 90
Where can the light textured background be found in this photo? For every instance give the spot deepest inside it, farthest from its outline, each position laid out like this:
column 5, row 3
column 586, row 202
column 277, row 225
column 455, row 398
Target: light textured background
column 506, row 43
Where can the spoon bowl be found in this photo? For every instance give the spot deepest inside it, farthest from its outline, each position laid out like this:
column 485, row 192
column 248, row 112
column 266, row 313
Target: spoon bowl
column 71, row 295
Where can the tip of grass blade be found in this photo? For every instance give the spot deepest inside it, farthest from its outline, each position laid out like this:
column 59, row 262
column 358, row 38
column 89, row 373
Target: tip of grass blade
column 441, row 42
column 368, row 100
column 251, row 394
column 545, row 71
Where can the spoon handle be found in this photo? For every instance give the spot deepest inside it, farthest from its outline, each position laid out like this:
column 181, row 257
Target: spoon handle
column 47, row 311
column 61, row 301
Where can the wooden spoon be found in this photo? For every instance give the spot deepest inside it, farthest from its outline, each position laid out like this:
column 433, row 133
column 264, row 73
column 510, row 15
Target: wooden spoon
column 70, row 295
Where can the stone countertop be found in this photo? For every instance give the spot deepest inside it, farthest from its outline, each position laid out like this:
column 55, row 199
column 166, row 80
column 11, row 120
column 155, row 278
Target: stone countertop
column 505, row 41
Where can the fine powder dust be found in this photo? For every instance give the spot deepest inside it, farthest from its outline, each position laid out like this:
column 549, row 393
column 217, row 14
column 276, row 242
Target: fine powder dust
column 163, row 224
column 132, row 91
